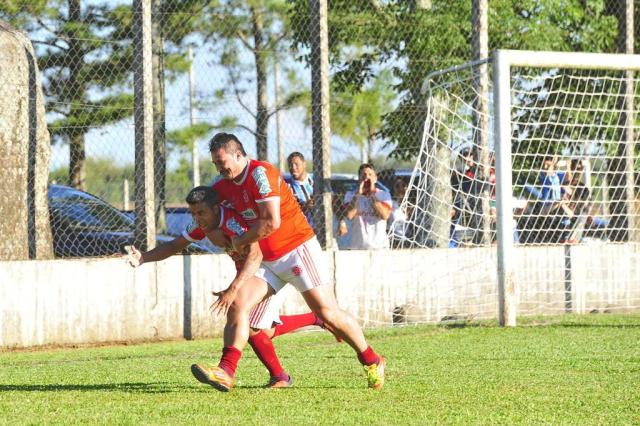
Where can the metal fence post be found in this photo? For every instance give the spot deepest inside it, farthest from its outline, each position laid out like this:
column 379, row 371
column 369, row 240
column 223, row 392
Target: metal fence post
column 320, row 121
column 145, row 226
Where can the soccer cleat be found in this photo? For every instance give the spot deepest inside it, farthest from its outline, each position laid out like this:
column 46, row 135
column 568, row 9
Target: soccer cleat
column 277, row 382
column 214, row 376
column 375, row 374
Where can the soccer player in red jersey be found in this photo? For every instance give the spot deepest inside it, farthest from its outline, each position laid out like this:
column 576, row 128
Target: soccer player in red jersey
column 289, row 246
column 219, row 224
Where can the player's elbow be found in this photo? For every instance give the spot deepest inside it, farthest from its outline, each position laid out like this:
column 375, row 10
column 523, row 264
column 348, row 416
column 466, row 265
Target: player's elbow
column 268, row 226
column 274, row 224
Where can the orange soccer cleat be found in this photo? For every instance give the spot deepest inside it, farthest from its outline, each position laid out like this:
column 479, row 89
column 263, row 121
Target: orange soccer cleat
column 214, row 376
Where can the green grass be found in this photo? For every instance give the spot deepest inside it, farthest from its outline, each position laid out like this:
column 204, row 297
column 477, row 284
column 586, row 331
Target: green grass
column 566, row 370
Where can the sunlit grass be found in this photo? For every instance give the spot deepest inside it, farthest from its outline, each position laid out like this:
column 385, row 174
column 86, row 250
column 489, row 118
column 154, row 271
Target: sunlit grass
column 565, row 370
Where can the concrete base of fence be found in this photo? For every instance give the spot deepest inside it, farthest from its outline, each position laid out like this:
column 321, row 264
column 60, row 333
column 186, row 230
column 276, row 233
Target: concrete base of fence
column 66, row 302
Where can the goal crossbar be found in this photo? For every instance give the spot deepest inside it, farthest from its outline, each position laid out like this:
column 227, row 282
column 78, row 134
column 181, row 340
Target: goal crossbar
column 577, row 60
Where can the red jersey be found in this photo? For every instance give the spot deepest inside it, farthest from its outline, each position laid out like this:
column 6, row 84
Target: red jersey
column 261, row 182
column 231, row 224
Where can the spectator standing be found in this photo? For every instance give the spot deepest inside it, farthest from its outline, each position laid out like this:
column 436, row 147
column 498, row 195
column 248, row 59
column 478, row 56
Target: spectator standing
column 301, row 184
column 467, row 186
column 368, row 208
column 551, row 180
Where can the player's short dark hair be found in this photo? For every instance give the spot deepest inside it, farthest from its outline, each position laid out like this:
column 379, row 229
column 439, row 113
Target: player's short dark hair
column 294, row 154
column 203, row 194
column 228, row 141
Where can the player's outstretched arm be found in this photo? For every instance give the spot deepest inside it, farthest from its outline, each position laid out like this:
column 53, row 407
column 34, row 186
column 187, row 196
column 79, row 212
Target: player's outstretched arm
column 135, row 258
column 248, row 270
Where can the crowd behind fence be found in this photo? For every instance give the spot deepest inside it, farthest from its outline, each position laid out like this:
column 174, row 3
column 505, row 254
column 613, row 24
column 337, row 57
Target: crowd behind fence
column 245, row 67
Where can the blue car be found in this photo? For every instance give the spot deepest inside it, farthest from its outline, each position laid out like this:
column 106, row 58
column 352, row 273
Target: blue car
column 84, row 225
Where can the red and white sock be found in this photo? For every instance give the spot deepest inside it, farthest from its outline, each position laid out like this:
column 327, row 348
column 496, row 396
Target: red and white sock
column 368, row 357
column 266, row 353
column 294, row 322
column 229, row 360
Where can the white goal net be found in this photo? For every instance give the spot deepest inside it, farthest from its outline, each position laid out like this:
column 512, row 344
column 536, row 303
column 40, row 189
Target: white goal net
column 526, row 186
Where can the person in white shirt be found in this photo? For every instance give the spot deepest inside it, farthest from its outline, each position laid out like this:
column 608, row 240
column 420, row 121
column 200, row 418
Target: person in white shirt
column 368, row 208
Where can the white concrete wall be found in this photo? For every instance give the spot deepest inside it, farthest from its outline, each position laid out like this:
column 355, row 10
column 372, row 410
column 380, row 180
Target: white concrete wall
column 103, row 300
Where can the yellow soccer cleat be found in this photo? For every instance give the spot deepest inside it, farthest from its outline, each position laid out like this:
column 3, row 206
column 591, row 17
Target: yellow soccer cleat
column 375, row 374
column 214, row 376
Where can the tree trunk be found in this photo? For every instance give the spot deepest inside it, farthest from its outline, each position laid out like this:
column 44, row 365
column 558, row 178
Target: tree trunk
column 262, row 117
column 438, row 208
column 480, row 31
column 77, row 161
column 160, row 144
column 620, row 170
column 25, row 151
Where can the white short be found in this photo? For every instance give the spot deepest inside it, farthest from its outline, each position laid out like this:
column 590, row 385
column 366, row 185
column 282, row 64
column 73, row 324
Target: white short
column 304, row 267
column 267, row 313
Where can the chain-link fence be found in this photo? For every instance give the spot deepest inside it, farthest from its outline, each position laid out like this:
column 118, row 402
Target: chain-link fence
column 245, row 67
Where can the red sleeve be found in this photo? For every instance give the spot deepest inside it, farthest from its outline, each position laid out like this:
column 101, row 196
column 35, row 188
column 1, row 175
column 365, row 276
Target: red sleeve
column 193, row 233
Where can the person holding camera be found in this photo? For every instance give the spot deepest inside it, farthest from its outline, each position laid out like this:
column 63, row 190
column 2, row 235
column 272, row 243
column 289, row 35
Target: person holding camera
column 368, row 208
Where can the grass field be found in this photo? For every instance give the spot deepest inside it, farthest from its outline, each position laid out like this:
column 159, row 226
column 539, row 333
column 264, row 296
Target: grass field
column 566, row 370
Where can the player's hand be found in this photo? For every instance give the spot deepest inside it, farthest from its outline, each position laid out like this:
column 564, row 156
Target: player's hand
column 225, row 300
column 310, row 204
column 342, row 228
column 370, row 186
column 361, row 188
column 133, row 256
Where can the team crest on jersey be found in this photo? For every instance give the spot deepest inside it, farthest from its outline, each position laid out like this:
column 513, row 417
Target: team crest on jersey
column 191, row 227
column 260, row 177
column 248, row 214
column 296, row 270
column 234, row 226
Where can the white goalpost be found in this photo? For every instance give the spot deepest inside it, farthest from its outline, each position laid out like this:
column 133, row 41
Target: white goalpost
column 530, row 185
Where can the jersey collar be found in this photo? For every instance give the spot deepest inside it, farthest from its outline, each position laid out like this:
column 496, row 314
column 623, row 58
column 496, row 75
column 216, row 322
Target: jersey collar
column 244, row 174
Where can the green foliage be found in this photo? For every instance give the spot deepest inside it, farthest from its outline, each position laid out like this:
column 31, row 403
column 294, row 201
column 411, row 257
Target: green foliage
column 567, row 370
column 185, row 137
column 413, row 42
column 357, row 116
column 179, row 180
column 105, row 178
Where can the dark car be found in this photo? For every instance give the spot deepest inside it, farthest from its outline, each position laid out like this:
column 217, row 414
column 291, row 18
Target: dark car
column 85, row 225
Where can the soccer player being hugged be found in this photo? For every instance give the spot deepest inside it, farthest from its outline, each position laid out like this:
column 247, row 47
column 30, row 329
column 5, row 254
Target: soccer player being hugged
column 261, row 322
column 289, row 247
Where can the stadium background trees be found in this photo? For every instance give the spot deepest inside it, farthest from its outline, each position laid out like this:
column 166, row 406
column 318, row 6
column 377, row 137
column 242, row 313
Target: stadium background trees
column 414, row 38
column 84, row 65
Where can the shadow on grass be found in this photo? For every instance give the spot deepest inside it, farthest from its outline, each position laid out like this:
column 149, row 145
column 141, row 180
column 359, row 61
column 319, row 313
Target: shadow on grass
column 159, row 387
column 587, row 325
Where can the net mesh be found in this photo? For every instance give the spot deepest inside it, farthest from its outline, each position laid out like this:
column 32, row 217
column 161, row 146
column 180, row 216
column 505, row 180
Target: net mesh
column 575, row 209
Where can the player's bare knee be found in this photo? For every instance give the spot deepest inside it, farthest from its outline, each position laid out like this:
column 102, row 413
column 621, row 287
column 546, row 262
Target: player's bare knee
column 329, row 316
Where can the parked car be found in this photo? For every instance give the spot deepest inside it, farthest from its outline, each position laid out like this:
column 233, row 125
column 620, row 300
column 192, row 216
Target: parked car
column 84, row 225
